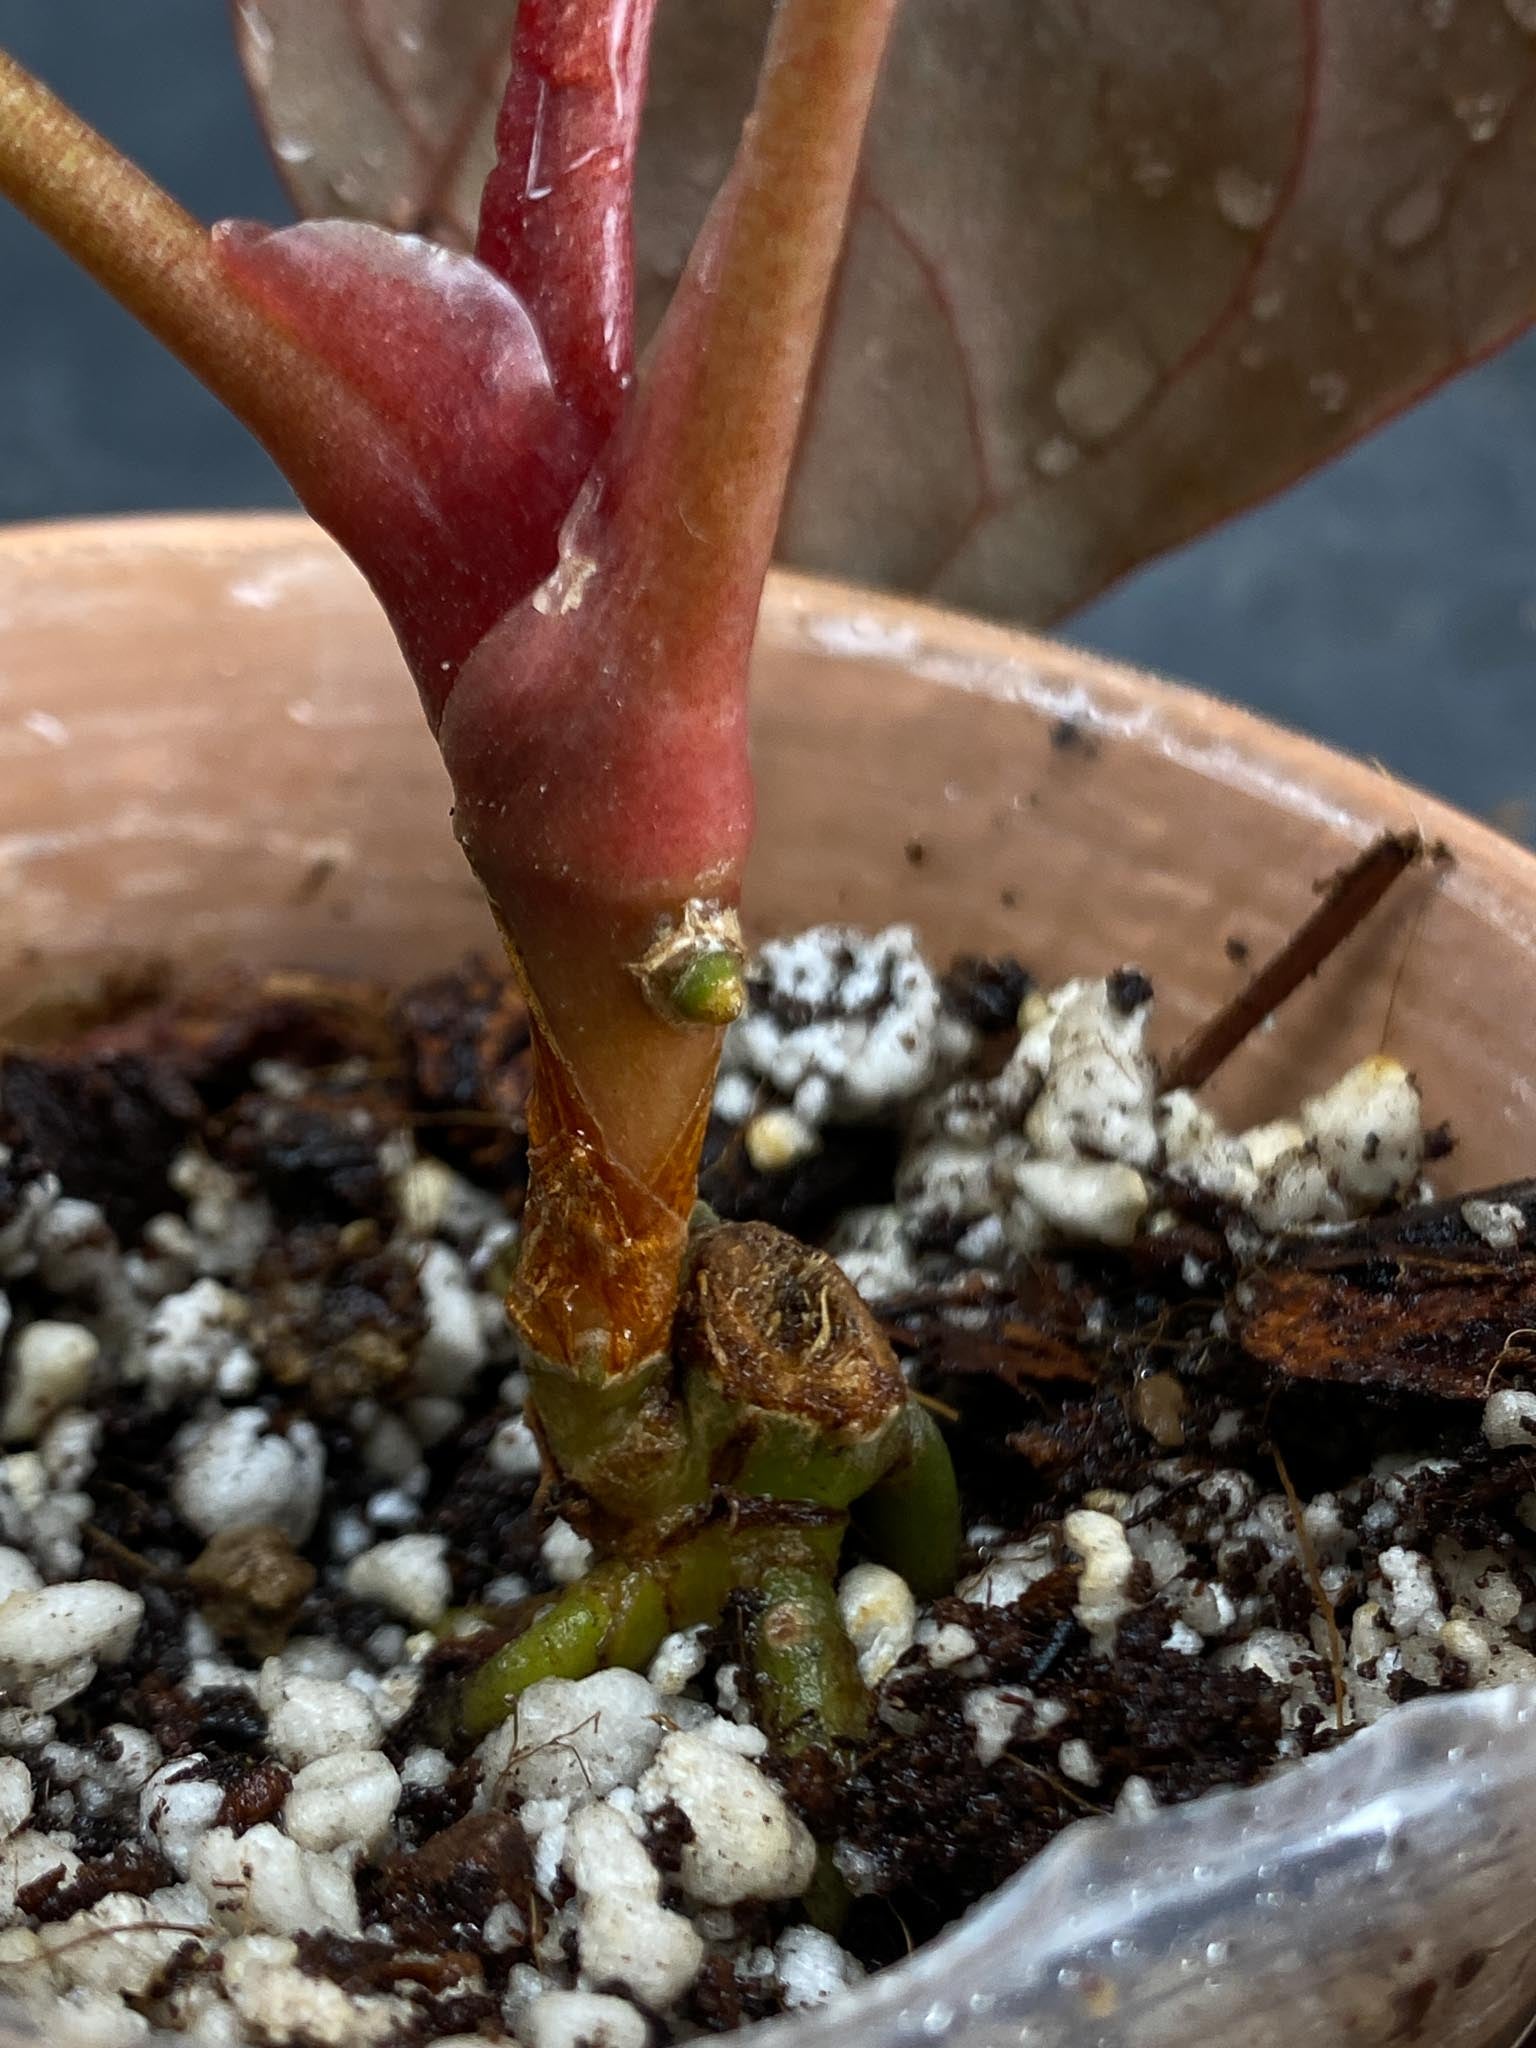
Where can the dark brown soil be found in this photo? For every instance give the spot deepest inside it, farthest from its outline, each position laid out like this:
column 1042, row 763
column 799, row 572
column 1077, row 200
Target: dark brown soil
column 1081, row 1374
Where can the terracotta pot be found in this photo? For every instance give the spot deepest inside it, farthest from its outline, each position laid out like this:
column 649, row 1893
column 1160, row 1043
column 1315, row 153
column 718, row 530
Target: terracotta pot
column 208, row 749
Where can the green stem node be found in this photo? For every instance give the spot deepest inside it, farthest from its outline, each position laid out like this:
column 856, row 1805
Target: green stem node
column 781, row 1404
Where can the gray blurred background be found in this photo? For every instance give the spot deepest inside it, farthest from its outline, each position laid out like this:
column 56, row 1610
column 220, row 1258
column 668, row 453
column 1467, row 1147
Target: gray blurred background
column 1388, row 605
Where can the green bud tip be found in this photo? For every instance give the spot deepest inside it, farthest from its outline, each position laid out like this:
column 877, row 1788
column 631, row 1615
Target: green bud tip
column 709, row 988
column 693, row 971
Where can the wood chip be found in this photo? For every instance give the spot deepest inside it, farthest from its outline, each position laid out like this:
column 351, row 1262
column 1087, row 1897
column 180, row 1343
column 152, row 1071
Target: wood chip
column 1413, row 1303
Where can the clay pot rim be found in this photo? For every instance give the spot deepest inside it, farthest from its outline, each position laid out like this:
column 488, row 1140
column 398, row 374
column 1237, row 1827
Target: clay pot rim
column 951, row 649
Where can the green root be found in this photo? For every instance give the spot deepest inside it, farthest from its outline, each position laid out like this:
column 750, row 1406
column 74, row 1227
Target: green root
column 620, row 1612
column 809, row 1692
column 911, row 1520
column 617, row 1614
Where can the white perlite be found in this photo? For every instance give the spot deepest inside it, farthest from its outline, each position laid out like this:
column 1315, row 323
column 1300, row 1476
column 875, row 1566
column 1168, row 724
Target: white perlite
column 1086, row 1201
column 409, row 1575
column 454, row 1348
column 1096, row 1098
column 880, row 1615
column 945, row 1643
column 282, row 2004
column 1500, row 1225
column 122, row 1944
column 849, row 1023
column 583, row 2019
column 1412, row 1600
column 1509, row 1420
column 778, row 1139
column 746, row 1842
column 1368, row 1130
column 192, row 1342
column 178, row 1806
column 1102, row 1596
column 566, row 1555
column 343, row 1801
column 1358, row 1144
column 15, row 1796
column 624, row 1934
column 812, row 1968
column 48, row 1370
column 18, row 1574
column 263, row 1883
column 1008, row 1575
column 992, row 1716
column 573, row 1738
column 1077, row 1761
column 52, row 1640
column 1060, row 1145
column 310, row 1718
column 678, row 1661
column 236, row 1471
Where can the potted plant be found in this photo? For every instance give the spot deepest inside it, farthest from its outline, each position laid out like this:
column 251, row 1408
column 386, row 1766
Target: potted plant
column 616, row 897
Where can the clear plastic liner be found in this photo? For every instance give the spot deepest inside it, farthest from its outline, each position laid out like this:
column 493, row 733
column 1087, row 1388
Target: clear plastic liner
column 1382, row 1894
column 1385, row 1893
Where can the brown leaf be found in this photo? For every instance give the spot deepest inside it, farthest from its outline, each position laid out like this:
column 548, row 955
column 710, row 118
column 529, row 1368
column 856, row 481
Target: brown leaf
column 1117, row 271
column 380, row 109
column 1416, row 1303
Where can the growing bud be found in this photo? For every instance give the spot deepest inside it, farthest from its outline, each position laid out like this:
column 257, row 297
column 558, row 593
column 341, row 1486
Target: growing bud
column 694, row 973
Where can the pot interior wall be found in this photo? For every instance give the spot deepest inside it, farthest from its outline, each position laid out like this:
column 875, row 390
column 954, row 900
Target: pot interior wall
column 209, row 750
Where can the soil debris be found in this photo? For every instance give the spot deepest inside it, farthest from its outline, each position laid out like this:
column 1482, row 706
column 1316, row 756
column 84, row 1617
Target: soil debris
column 1244, row 1423
column 1348, row 898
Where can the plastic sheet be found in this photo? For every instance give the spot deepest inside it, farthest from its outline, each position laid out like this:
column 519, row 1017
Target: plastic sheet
column 1383, row 1894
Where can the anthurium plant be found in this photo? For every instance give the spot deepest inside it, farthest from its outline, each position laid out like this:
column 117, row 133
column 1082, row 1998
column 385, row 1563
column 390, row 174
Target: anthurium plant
column 571, row 551
column 1096, row 276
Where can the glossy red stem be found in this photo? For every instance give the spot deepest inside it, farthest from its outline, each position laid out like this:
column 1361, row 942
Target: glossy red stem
column 555, row 217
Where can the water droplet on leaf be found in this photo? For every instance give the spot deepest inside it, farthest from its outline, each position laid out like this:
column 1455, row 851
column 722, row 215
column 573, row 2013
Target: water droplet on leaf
column 1269, row 305
column 1103, row 384
column 1055, row 456
column 1413, row 219
column 1481, row 114
column 1243, row 200
column 1329, row 389
column 1151, row 175
column 1523, row 14
column 289, row 149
